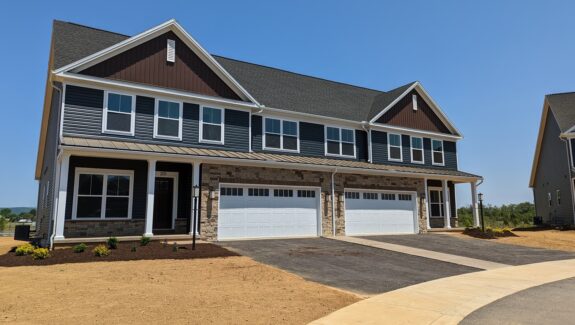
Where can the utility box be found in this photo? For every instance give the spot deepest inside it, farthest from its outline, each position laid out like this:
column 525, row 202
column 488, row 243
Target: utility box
column 538, row 221
column 22, row 232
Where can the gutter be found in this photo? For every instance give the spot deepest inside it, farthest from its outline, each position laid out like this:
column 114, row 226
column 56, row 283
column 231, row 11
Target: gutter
column 367, row 128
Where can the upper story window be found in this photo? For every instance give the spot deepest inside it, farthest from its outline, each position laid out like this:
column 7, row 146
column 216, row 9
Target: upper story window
column 340, row 142
column 437, row 152
column 394, row 147
column 168, row 120
column 211, row 125
column 119, row 114
column 417, row 150
column 281, row 134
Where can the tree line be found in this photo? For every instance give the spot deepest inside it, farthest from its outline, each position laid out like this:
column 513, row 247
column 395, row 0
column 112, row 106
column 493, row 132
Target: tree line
column 7, row 216
column 507, row 215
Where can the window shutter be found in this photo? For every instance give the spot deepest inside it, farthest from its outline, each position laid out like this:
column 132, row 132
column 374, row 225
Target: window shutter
column 171, row 57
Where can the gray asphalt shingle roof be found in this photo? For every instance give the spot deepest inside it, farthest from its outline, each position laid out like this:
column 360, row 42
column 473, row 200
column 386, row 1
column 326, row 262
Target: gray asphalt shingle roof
column 271, row 87
column 563, row 108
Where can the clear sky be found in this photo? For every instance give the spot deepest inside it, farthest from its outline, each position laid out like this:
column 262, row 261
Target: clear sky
column 487, row 63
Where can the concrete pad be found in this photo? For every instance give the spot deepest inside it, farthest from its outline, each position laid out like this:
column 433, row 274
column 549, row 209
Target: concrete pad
column 450, row 300
column 450, row 258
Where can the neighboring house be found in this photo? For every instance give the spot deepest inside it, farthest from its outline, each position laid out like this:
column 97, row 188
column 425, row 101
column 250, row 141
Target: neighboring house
column 553, row 171
column 132, row 125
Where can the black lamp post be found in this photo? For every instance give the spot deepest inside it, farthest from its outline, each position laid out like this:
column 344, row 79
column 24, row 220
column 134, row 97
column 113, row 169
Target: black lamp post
column 480, row 195
column 195, row 194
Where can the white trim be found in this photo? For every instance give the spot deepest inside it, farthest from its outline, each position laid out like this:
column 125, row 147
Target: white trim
column 422, row 162
column 201, row 123
column 150, row 34
column 447, row 204
column 175, row 177
column 281, row 134
column 325, row 127
column 156, row 117
column 62, row 112
column 442, row 153
column 415, row 132
column 104, row 172
column 132, row 114
column 400, row 159
column 427, row 205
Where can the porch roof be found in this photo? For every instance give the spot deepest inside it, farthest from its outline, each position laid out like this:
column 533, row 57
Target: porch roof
column 126, row 146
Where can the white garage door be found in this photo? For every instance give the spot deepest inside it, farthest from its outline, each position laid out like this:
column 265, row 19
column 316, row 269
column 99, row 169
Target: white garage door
column 266, row 211
column 377, row 212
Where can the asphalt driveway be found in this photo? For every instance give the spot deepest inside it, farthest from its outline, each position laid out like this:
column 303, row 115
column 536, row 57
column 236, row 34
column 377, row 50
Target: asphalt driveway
column 488, row 250
column 361, row 269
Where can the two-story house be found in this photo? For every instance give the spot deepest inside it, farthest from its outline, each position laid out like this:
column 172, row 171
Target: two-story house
column 553, row 169
column 143, row 135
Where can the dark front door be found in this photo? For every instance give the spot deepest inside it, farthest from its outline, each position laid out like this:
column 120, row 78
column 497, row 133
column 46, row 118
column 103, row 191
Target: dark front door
column 163, row 203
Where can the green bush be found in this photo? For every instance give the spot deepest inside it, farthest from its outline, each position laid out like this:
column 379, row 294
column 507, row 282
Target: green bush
column 101, row 250
column 145, row 240
column 25, row 249
column 40, row 253
column 112, row 242
column 80, row 248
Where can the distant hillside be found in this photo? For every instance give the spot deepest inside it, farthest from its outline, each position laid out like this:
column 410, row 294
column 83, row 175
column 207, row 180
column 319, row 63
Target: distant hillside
column 18, row 210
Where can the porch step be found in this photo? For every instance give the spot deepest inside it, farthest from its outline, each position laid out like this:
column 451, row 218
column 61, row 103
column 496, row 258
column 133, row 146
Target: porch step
column 458, row 229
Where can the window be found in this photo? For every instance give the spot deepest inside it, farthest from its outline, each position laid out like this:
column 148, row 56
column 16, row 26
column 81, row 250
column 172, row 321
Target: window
column 118, row 114
column 306, row 193
column 340, row 142
column 102, row 194
column 437, row 152
column 404, row 197
column 258, row 192
column 211, row 125
column 370, row 196
column 417, row 150
column 388, row 196
column 558, row 197
column 394, row 147
column 283, row 193
column 352, row 195
column 168, row 120
column 280, row 134
column 231, row 191
column 436, row 203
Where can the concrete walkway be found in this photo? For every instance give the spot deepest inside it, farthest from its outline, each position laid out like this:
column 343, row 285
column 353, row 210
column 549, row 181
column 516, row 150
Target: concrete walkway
column 449, row 300
column 456, row 259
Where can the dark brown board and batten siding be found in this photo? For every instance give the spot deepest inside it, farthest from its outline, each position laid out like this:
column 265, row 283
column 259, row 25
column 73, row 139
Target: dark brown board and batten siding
column 403, row 115
column 147, row 64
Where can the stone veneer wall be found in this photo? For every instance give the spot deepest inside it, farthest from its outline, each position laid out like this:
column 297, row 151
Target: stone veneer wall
column 213, row 175
column 104, row 228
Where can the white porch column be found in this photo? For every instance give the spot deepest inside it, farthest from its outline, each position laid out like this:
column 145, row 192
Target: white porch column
column 447, row 205
column 62, row 193
column 427, row 206
column 474, row 205
column 195, row 201
column 150, row 198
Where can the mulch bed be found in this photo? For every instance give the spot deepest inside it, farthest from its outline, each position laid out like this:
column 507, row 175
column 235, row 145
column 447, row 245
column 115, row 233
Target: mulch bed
column 488, row 233
column 153, row 251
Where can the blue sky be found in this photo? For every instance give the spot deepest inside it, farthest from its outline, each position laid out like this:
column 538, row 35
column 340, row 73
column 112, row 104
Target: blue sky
column 487, row 63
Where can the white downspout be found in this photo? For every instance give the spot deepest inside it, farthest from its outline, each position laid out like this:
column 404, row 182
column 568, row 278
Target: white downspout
column 55, row 172
column 333, row 201
column 367, row 129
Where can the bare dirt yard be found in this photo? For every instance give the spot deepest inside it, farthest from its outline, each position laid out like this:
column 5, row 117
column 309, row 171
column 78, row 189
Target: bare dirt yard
column 548, row 238
column 219, row 290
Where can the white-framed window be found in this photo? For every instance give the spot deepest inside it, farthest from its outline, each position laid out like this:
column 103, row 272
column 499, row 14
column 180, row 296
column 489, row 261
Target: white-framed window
column 370, row 196
column 102, row 194
column 437, row 156
column 394, row 147
column 280, row 134
column 119, row 113
column 352, row 195
column 339, row 142
column 211, row 125
column 388, row 196
column 417, row 150
column 168, row 120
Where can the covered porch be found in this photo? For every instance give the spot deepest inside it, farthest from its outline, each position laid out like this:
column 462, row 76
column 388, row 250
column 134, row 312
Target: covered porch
column 442, row 207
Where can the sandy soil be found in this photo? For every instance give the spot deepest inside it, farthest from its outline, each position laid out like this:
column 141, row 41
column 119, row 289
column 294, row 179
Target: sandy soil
column 6, row 243
column 220, row 290
column 550, row 239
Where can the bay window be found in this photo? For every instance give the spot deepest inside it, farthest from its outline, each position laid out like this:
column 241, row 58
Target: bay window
column 168, row 120
column 340, row 142
column 102, row 194
column 211, row 125
column 280, row 134
column 119, row 112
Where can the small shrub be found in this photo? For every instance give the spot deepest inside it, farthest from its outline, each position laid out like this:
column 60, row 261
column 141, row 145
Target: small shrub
column 145, row 240
column 80, row 248
column 40, row 253
column 175, row 247
column 101, row 250
column 134, row 247
column 24, row 249
column 112, row 242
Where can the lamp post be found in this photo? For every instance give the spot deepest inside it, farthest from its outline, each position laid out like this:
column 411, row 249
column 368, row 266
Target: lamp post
column 480, row 196
column 195, row 194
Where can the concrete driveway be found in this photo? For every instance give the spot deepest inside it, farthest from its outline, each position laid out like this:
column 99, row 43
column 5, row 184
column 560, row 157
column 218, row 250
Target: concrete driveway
column 361, row 269
column 475, row 248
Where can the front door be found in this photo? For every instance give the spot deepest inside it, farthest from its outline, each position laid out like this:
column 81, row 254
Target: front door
column 436, row 203
column 163, row 203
